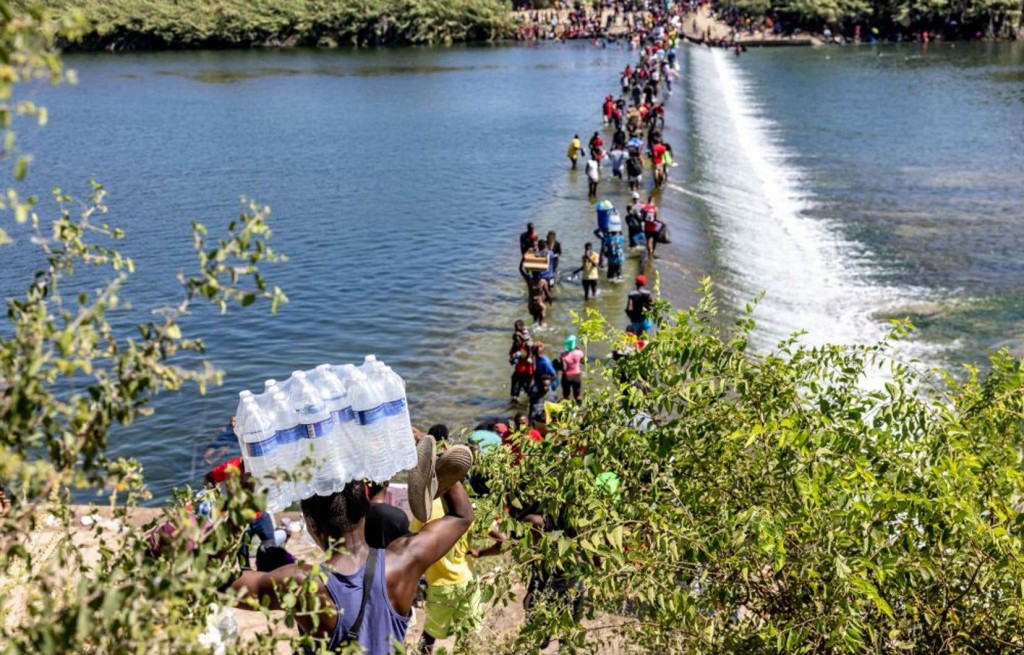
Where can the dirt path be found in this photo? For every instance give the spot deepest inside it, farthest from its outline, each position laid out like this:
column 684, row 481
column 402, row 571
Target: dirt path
column 499, row 625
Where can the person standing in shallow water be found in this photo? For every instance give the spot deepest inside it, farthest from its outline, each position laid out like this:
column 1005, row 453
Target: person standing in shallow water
column 337, row 523
column 637, row 305
column 590, row 271
column 572, row 375
column 555, row 248
column 593, row 176
column 539, row 293
column 574, row 150
column 527, row 240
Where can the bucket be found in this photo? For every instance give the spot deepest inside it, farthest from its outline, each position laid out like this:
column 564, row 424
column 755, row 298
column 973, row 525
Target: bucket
column 604, row 214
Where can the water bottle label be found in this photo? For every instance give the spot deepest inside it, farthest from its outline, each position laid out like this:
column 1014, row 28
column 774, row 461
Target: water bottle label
column 291, row 435
column 369, row 416
column 343, row 415
column 394, row 408
column 262, row 448
column 319, row 429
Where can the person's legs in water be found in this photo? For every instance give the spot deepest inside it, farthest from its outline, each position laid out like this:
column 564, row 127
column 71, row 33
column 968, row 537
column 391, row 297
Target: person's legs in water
column 515, row 389
column 614, row 269
column 537, row 311
column 573, row 385
column 589, row 289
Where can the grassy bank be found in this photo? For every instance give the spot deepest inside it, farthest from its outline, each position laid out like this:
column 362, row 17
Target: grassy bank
column 162, row 24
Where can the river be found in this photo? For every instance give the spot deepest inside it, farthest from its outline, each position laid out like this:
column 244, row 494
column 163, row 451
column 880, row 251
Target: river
column 850, row 184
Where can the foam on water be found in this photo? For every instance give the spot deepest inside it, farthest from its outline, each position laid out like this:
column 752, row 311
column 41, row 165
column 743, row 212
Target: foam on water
column 814, row 279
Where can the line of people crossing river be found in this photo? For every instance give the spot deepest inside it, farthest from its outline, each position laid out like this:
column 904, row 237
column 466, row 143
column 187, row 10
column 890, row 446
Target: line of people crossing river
column 636, row 119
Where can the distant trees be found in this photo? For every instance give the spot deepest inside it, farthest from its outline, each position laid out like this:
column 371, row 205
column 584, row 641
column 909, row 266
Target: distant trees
column 132, row 24
column 953, row 18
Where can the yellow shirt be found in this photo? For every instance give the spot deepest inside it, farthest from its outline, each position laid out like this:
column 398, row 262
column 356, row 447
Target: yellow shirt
column 574, row 149
column 590, row 263
column 452, row 568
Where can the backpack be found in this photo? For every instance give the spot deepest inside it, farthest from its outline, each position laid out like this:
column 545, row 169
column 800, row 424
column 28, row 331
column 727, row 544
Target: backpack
column 633, row 166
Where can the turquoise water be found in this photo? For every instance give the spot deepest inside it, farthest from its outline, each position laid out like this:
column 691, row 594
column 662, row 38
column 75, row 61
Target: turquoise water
column 850, row 184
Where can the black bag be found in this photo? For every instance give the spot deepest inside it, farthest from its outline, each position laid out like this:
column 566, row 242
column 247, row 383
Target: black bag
column 663, row 235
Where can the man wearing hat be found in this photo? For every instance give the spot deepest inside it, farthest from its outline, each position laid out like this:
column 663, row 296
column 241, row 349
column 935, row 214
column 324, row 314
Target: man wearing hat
column 637, row 306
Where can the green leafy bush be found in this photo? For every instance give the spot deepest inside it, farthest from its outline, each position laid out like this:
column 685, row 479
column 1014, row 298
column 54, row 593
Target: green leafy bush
column 813, row 499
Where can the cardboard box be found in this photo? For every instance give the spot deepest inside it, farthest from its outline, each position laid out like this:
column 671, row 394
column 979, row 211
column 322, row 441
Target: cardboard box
column 533, row 262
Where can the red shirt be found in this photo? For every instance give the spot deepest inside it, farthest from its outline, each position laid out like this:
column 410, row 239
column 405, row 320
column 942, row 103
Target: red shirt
column 659, row 153
column 220, row 472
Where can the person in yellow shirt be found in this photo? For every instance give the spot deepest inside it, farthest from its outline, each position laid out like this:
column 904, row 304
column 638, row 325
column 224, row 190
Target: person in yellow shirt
column 574, row 150
column 452, row 592
column 590, row 272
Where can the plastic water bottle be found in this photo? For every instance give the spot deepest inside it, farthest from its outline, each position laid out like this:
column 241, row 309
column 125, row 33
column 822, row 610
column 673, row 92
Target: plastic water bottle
column 367, row 399
column 339, row 464
column 398, row 422
column 289, row 434
column 344, row 373
column 261, row 448
column 314, row 417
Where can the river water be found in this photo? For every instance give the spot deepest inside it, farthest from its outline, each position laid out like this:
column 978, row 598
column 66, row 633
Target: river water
column 850, row 185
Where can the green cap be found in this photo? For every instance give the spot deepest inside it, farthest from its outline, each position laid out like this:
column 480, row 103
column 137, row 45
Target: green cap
column 570, row 342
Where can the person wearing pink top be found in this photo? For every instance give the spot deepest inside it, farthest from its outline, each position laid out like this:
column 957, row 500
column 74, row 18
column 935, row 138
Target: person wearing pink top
column 572, row 377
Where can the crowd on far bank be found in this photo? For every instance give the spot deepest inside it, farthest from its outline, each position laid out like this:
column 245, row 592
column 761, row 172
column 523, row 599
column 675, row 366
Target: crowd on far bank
column 610, row 21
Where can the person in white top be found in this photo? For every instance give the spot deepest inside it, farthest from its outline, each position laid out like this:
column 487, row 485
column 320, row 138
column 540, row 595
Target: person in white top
column 593, row 175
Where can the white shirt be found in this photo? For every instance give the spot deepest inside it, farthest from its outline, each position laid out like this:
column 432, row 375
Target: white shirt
column 593, row 172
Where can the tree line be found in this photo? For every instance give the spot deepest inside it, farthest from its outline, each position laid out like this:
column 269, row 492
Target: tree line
column 956, row 19
column 162, row 24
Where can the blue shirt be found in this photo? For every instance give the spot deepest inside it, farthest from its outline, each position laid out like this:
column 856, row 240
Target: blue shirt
column 549, row 273
column 613, row 245
column 543, row 368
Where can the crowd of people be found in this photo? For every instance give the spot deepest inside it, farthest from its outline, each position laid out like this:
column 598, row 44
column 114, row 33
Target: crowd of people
column 635, row 117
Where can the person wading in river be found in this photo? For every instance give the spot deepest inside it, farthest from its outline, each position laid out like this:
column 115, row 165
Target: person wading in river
column 637, row 305
column 574, row 150
column 593, row 176
column 590, row 272
column 539, row 293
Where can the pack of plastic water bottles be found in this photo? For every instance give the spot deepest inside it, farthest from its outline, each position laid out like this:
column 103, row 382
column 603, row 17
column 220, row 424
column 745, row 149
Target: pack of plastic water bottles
column 325, row 427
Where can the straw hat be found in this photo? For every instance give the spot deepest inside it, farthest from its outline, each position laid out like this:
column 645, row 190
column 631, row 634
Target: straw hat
column 452, row 466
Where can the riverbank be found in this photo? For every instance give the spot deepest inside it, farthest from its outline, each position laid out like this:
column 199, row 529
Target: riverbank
column 96, row 528
column 212, row 24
